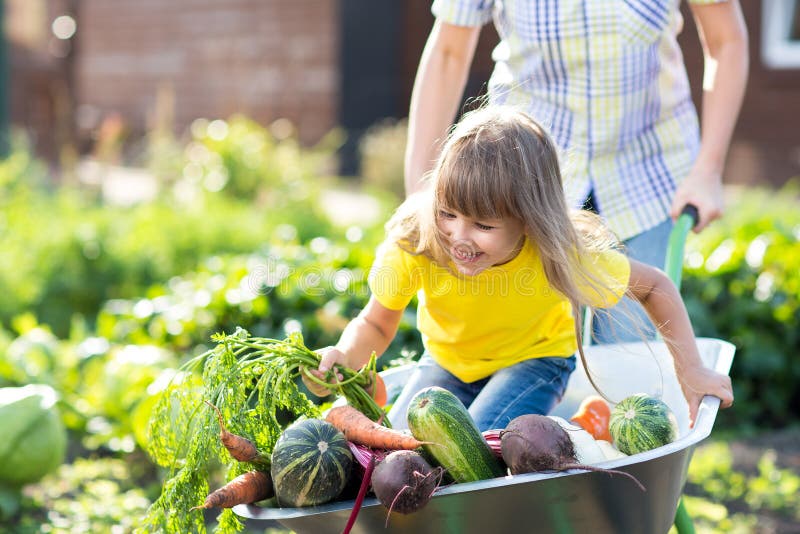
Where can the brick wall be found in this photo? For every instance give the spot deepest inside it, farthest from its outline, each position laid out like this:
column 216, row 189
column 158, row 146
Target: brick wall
column 265, row 58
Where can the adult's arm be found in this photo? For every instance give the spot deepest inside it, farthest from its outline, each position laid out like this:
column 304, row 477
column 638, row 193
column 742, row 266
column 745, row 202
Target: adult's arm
column 723, row 35
column 438, row 88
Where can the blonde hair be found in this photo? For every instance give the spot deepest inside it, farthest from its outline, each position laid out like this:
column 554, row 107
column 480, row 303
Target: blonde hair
column 500, row 163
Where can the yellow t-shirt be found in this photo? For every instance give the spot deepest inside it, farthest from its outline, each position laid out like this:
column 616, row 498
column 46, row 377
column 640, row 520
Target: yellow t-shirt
column 475, row 325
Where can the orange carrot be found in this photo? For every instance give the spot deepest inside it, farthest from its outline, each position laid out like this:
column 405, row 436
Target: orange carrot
column 377, row 390
column 242, row 449
column 593, row 416
column 247, row 488
column 360, row 429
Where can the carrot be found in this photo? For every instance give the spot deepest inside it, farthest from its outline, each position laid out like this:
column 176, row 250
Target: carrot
column 377, row 389
column 593, row 416
column 247, row 488
column 242, row 449
column 360, row 429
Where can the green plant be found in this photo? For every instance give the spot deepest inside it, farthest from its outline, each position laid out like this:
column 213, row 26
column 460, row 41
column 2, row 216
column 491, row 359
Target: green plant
column 246, row 160
column 84, row 254
column 286, row 286
column 742, row 284
column 87, row 495
column 35, row 440
column 768, row 490
column 20, row 172
column 774, row 488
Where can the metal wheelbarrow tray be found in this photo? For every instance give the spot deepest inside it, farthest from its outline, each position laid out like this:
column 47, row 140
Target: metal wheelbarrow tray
column 572, row 501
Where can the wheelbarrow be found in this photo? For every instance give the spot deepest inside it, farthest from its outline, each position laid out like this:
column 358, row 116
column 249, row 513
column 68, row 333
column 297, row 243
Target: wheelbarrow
column 573, row 501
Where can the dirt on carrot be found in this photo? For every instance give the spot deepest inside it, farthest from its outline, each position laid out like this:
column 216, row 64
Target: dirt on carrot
column 360, row 429
column 247, row 488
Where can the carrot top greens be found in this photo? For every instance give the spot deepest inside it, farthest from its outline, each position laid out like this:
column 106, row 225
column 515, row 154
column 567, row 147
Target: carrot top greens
column 253, row 382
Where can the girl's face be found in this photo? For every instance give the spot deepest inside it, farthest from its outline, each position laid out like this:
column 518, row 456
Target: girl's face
column 475, row 245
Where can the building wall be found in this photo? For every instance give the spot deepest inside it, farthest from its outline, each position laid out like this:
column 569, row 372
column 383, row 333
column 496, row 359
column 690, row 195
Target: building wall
column 283, row 58
column 267, row 59
column 38, row 93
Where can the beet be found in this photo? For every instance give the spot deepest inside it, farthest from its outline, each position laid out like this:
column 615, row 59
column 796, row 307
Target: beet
column 404, row 482
column 532, row 443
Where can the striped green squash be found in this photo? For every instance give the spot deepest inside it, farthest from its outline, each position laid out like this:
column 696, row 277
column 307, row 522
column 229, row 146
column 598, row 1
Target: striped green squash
column 438, row 417
column 310, row 463
column 640, row 423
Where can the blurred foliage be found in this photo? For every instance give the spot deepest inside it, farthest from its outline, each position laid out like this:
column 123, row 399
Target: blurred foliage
column 285, row 287
column 382, row 152
column 243, row 159
column 742, row 284
column 69, row 253
column 98, row 495
column 715, row 487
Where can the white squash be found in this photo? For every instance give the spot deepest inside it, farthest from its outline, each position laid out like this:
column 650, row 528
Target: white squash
column 587, row 451
column 610, row 451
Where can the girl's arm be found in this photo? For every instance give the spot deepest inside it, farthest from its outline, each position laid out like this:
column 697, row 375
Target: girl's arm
column 663, row 303
column 372, row 330
column 723, row 35
column 438, row 87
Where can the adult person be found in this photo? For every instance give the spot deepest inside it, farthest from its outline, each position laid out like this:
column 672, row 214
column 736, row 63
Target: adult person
column 607, row 80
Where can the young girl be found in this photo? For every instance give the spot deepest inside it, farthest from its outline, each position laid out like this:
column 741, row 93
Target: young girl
column 501, row 270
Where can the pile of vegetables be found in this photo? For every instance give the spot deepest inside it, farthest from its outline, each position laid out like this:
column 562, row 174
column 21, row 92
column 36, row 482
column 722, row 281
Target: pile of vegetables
column 247, row 412
column 252, row 383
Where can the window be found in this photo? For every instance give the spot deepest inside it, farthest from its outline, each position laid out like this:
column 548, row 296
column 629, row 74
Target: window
column 780, row 34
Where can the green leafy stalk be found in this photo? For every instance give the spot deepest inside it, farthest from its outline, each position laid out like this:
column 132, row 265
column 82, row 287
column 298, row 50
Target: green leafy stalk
column 254, row 383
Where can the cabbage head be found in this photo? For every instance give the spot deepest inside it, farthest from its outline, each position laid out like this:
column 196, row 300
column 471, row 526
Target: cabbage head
column 34, row 439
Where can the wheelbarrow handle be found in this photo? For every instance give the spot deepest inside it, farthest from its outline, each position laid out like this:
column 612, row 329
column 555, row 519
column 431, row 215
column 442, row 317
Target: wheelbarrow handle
column 673, row 266
column 693, row 213
column 687, row 220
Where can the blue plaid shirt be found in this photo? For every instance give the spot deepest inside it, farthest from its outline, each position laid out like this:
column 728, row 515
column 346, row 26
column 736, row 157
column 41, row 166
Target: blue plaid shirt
column 606, row 78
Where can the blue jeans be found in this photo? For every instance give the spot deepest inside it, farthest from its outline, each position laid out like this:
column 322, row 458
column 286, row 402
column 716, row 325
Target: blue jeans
column 627, row 321
column 531, row 386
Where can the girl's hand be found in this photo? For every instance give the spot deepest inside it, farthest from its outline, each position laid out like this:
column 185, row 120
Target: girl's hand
column 330, row 357
column 696, row 382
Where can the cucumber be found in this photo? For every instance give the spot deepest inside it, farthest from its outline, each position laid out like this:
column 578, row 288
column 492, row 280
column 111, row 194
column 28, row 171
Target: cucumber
column 640, row 423
column 439, row 418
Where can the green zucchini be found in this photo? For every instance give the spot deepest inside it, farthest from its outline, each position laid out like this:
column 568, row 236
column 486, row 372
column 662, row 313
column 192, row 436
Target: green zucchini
column 440, row 419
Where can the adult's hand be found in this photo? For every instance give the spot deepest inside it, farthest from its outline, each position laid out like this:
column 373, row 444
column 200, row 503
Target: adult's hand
column 703, row 189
